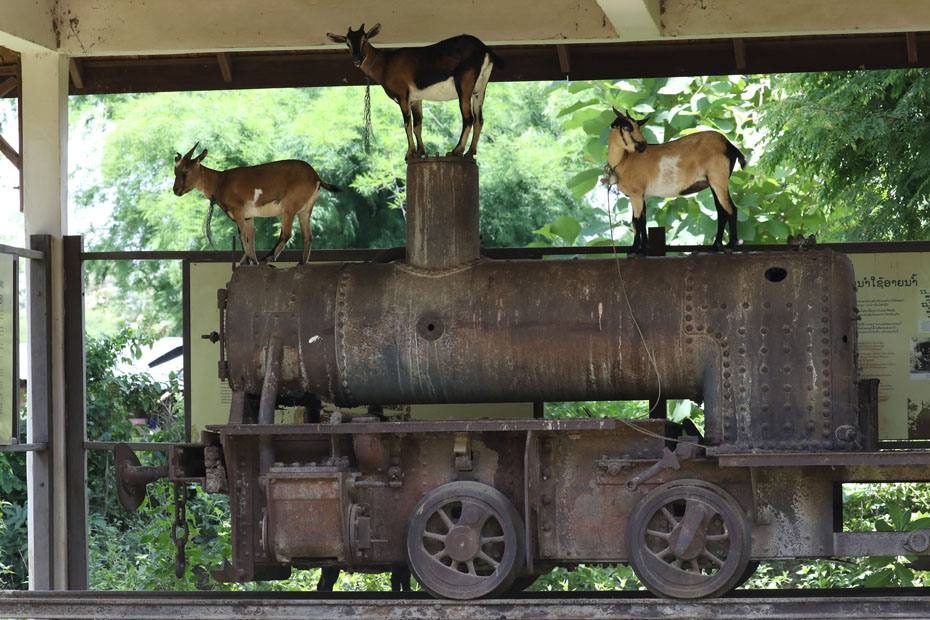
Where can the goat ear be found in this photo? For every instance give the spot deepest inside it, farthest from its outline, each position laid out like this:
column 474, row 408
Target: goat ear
column 643, row 121
column 336, row 38
column 177, row 157
column 374, row 30
column 200, row 157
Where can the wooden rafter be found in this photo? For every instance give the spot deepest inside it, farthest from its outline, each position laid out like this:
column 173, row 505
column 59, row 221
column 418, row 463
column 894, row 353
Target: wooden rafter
column 225, row 66
column 10, row 153
column 77, row 73
column 739, row 54
column 565, row 61
column 8, row 85
column 911, row 38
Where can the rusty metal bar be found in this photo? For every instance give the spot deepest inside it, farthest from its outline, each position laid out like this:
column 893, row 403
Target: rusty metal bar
column 269, row 397
column 75, row 414
column 39, row 423
column 22, row 252
column 25, row 447
column 823, row 459
column 796, row 604
column 444, row 426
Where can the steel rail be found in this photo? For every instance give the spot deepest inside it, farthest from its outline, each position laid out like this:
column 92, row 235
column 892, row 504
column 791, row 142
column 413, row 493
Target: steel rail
column 763, row 605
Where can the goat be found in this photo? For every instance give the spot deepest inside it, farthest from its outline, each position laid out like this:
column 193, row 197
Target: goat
column 281, row 188
column 454, row 68
column 676, row 168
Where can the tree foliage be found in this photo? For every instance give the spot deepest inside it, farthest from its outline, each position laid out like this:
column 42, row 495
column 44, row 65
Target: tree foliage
column 861, row 136
column 771, row 205
column 522, row 156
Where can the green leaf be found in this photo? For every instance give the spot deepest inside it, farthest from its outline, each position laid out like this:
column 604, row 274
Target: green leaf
column 567, row 228
column 880, row 579
column 676, row 85
column 546, row 232
column 579, row 106
column 584, row 181
column 898, row 518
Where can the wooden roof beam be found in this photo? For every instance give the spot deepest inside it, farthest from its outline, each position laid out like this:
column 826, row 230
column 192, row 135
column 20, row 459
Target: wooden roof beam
column 77, row 73
column 8, row 85
column 10, row 153
column 225, row 66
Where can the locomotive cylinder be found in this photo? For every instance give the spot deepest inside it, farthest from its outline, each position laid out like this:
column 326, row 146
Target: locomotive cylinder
column 765, row 340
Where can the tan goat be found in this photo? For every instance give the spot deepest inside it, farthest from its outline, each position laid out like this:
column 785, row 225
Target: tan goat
column 280, row 188
column 456, row 68
column 676, row 168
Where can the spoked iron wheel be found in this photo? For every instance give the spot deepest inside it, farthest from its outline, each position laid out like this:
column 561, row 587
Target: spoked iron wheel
column 465, row 540
column 689, row 539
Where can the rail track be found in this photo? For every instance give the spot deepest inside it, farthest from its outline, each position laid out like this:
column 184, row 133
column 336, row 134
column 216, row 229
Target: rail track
column 884, row 604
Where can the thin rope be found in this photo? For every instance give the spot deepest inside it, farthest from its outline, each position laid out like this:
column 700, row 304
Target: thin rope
column 649, row 353
column 629, row 422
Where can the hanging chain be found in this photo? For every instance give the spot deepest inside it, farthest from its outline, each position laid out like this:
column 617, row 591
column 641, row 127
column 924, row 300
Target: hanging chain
column 180, row 522
column 367, row 135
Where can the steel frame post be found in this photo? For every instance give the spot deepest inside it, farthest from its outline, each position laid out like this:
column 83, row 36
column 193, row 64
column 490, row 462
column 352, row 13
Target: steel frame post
column 75, row 413
column 40, row 484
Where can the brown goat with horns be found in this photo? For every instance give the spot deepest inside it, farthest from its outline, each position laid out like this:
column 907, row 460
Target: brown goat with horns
column 456, row 68
column 280, row 188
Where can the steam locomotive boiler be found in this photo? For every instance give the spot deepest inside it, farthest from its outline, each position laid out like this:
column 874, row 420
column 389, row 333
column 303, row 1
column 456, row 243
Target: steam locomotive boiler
column 767, row 341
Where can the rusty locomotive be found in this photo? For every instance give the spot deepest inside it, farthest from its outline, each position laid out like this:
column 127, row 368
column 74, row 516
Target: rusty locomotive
column 767, row 341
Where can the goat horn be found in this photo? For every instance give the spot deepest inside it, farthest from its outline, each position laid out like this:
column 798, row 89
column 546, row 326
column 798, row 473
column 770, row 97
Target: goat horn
column 190, row 153
column 617, row 112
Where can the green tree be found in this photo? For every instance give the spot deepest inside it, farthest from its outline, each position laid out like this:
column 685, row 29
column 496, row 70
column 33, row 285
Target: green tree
column 771, row 205
column 861, row 136
column 523, row 153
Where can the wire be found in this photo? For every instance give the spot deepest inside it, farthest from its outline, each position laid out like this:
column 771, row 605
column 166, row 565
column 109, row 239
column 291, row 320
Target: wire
column 649, row 352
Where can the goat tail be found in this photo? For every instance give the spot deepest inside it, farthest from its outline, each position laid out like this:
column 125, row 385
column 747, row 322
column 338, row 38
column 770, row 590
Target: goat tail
column 207, row 230
column 496, row 60
column 734, row 155
column 327, row 186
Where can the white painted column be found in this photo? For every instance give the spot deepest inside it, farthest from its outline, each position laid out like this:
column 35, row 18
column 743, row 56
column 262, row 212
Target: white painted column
column 45, row 194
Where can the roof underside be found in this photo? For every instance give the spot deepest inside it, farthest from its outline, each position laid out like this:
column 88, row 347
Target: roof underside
column 137, row 46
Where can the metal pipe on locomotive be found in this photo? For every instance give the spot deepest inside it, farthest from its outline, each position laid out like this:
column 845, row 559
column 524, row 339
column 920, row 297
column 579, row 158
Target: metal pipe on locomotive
column 767, row 341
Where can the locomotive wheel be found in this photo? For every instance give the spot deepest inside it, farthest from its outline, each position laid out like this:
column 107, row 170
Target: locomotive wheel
column 464, row 540
column 689, row 539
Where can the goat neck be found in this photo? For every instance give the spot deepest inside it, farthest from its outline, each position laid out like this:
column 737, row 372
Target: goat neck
column 208, row 182
column 617, row 154
column 371, row 57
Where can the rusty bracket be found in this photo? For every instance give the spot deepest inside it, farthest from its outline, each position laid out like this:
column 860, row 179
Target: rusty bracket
column 222, row 366
column 463, row 453
column 668, row 461
column 609, row 469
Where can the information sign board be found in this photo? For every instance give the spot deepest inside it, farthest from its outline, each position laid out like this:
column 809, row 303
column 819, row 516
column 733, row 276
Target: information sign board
column 893, row 296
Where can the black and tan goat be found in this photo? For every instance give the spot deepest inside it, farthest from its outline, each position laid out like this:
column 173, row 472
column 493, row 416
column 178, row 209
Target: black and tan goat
column 675, row 168
column 280, row 188
column 456, row 68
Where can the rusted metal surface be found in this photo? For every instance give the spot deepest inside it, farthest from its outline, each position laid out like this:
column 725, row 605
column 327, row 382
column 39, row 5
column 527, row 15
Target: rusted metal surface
column 465, row 541
column 689, row 539
column 776, row 372
column 766, row 341
column 442, row 213
column 772, row 604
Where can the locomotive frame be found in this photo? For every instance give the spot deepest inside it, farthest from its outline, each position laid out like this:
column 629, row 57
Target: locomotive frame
column 478, row 508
